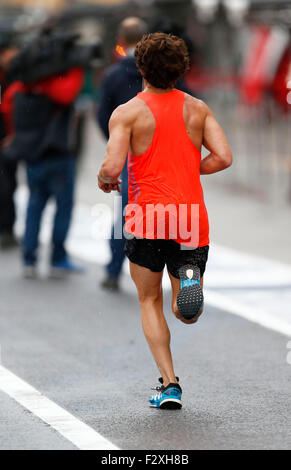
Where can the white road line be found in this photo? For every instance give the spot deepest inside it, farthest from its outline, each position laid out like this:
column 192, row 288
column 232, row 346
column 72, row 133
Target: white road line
column 253, row 314
column 227, row 268
column 71, row 428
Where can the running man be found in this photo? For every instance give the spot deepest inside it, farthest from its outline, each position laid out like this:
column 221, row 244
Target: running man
column 162, row 131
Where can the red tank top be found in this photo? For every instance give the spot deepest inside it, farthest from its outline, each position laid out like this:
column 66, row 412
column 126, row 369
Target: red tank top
column 165, row 194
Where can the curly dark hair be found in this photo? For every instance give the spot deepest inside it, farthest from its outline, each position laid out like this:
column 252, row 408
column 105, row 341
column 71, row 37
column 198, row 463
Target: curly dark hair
column 162, row 59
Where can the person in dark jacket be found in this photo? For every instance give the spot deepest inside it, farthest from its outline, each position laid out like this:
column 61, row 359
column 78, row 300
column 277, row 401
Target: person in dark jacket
column 121, row 83
column 42, row 137
column 8, row 183
column 53, row 174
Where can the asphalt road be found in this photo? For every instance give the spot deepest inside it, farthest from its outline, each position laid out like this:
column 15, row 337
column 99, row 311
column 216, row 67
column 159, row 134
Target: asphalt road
column 84, row 349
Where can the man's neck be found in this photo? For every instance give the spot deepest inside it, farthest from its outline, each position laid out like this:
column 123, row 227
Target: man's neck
column 156, row 91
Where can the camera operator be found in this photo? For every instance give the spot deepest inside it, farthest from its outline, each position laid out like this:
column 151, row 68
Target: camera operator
column 7, row 169
column 53, row 174
column 43, row 118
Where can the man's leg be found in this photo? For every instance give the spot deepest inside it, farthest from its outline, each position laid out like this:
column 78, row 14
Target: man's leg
column 62, row 182
column 37, row 200
column 155, row 327
column 117, row 255
column 175, row 290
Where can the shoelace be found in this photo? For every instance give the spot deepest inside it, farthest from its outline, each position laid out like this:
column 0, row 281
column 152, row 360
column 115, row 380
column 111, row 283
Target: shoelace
column 159, row 390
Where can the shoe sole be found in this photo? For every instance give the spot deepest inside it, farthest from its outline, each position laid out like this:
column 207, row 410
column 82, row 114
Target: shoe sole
column 190, row 299
column 61, row 273
column 171, row 404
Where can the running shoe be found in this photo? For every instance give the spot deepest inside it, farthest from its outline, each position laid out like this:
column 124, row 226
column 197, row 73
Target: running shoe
column 29, row 272
column 64, row 268
column 8, row 241
column 167, row 398
column 190, row 297
column 110, row 283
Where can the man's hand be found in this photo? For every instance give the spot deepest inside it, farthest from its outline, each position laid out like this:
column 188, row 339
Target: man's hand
column 108, row 187
column 214, row 140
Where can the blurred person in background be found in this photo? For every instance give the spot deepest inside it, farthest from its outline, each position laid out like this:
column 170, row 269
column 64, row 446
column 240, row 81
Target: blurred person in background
column 53, row 175
column 8, row 50
column 121, row 83
column 42, row 118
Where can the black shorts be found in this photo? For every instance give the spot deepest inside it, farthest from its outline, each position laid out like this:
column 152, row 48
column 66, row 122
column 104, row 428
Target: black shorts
column 155, row 254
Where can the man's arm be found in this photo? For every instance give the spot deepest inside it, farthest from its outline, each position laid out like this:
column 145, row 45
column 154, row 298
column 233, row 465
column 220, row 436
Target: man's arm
column 117, row 149
column 215, row 141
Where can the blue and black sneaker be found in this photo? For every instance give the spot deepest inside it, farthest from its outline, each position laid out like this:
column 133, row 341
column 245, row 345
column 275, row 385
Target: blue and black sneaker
column 167, row 398
column 190, row 297
column 65, row 267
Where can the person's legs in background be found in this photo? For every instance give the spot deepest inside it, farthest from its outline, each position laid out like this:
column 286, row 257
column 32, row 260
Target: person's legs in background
column 61, row 180
column 7, row 207
column 114, row 268
column 38, row 198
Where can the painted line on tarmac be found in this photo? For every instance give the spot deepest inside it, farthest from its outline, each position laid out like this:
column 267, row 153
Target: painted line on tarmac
column 70, row 427
column 253, row 314
column 227, row 268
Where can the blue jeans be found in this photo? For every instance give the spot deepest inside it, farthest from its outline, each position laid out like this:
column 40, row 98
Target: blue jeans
column 117, row 246
column 55, row 178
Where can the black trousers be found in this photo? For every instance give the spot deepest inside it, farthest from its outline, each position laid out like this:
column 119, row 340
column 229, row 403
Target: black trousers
column 7, row 190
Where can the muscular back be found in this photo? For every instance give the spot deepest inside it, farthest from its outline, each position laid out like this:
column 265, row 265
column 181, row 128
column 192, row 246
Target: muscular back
column 143, row 123
column 132, row 127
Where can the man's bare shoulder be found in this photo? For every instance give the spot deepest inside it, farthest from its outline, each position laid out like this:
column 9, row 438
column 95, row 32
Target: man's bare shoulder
column 127, row 112
column 195, row 105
